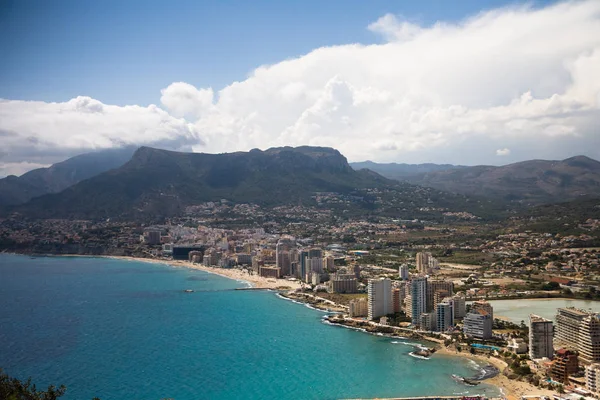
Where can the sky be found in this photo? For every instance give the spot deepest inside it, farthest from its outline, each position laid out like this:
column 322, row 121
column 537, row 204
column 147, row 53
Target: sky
column 388, row 81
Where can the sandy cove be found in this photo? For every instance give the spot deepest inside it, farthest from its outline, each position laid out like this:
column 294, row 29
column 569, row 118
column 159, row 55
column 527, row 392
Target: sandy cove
column 231, row 273
column 512, row 389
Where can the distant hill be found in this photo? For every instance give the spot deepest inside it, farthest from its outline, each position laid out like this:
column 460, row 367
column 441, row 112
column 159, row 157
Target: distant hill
column 161, row 182
column 402, row 171
column 20, row 189
column 530, row 182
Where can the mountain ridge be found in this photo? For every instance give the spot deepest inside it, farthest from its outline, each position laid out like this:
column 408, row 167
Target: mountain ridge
column 59, row 176
column 531, row 181
column 164, row 182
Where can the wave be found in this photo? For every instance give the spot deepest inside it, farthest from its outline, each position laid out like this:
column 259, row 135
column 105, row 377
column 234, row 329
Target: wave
column 304, row 304
column 417, row 356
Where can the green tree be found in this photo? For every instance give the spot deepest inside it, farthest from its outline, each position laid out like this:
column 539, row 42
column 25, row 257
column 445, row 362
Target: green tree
column 14, row 389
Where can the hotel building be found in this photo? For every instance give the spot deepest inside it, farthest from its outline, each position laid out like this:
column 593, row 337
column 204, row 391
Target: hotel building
column 541, row 333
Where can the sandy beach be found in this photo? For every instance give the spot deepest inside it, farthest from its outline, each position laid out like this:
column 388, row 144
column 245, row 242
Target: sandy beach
column 231, row 273
column 512, row 389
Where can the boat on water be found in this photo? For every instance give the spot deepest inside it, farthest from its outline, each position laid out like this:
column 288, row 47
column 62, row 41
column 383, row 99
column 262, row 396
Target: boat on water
column 188, row 290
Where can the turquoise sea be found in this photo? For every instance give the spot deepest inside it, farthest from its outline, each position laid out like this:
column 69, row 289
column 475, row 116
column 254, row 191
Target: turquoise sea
column 126, row 330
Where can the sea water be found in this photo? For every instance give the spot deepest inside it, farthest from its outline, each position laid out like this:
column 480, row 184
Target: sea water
column 127, row 330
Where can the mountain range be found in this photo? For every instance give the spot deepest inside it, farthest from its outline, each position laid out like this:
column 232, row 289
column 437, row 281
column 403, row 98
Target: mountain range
column 161, row 182
column 530, row 182
column 127, row 183
column 59, row 176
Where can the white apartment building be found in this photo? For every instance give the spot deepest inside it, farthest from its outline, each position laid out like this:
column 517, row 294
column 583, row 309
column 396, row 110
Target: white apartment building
column 403, row 272
column 418, row 302
column 380, row 297
column 592, row 378
column 460, row 306
column 541, row 334
column 358, row 308
column 478, row 324
column 445, row 315
column 579, row 330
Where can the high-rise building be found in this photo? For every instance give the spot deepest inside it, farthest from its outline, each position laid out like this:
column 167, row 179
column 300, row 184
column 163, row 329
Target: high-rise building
column 445, row 315
column 422, row 262
column 427, row 322
column 315, row 252
column 380, row 297
column 579, row 330
column 343, row 283
column 568, row 321
column 403, row 272
column 329, row 263
column 396, row 305
column 592, row 378
column 483, row 305
column 301, row 269
column 446, row 289
column 565, row 364
column 478, row 324
column 460, row 308
column 358, row 308
column 541, row 333
column 418, row 294
column 589, row 340
column 152, row 237
column 283, row 252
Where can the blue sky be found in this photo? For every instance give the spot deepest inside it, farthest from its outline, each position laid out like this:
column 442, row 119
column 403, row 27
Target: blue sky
column 125, row 52
column 462, row 82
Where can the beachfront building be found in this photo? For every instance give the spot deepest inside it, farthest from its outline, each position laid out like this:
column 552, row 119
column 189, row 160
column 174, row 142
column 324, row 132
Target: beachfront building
column 427, row 322
column 438, row 290
column 589, row 340
column 418, row 298
column 478, row 324
column 565, row 364
column 269, row 272
column 483, row 305
column 343, row 283
column 541, row 333
column 592, row 378
column 358, row 308
column 579, row 330
column 283, row 259
column 379, row 297
column 460, row 306
column 568, row 321
column 445, row 315
column 403, row 272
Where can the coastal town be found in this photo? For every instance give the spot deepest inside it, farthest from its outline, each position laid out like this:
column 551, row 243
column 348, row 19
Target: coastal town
column 400, row 278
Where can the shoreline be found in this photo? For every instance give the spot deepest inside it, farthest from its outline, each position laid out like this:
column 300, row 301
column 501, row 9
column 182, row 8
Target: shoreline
column 240, row 275
column 507, row 386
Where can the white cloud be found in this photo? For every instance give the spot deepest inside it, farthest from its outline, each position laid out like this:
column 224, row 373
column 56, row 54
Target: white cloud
column 503, row 152
column 183, row 99
column 520, row 78
column 19, row 168
column 42, row 133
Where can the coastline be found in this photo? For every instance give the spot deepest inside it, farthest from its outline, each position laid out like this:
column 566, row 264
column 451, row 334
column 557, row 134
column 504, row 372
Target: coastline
column 511, row 389
column 253, row 281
